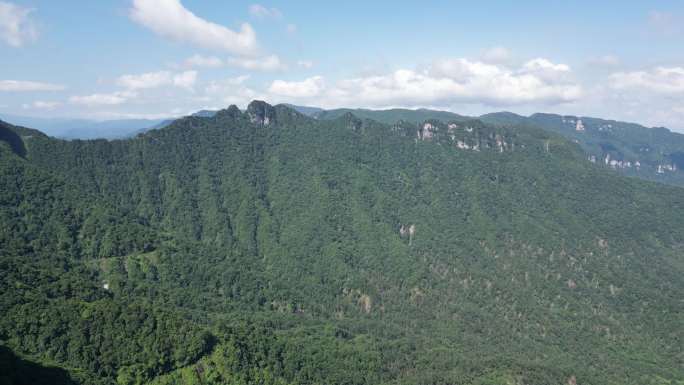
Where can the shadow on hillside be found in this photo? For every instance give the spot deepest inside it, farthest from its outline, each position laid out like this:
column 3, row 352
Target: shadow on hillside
column 17, row 371
column 13, row 139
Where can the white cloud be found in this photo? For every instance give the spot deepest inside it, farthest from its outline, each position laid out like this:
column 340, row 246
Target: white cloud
column 185, row 79
column 651, row 96
column 306, row 88
column 291, row 28
column 25, row 86
column 232, row 91
column 261, row 12
column 268, row 63
column 203, row 61
column 170, row 19
column 461, row 69
column 16, row 28
column 462, row 80
column 496, row 55
column 102, row 99
column 543, row 65
column 659, row 80
column 146, row 80
column 216, row 87
column 443, row 83
column 305, row 63
column 157, row 79
column 545, row 70
column 43, row 105
column 133, row 84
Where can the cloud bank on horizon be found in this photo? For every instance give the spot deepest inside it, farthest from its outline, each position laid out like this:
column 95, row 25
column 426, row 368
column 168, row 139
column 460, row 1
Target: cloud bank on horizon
column 169, row 58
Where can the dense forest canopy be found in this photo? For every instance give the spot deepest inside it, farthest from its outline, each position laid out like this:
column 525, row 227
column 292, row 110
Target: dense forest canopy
column 270, row 247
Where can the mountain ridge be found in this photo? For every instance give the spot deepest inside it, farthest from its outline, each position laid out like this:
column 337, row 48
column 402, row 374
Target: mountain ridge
column 631, row 149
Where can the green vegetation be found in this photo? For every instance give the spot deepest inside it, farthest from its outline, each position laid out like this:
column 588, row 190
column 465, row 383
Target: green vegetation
column 268, row 247
column 655, row 154
column 390, row 116
column 649, row 153
column 15, row 371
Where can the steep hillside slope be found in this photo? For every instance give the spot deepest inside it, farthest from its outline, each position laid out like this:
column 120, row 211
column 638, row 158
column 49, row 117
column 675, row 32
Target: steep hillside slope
column 650, row 153
column 301, row 250
column 631, row 149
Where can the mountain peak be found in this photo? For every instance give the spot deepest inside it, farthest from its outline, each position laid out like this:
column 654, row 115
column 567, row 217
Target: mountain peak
column 261, row 112
column 232, row 111
column 353, row 121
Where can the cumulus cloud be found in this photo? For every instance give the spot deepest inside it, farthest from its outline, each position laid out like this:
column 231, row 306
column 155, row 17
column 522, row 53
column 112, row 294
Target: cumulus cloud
column 451, row 81
column 26, row 86
column 442, row 84
column 157, row 79
column 651, row 96
column 185, row 79
column 261, row 12
column 306, row 88
column 666, row 80
column 546, row 70
column 170, row 19
column 232, row 91
column 146, row 80
column 461, row 69
column 16, row 28
column 203, row 61
column 135, row 87
column 268, row 63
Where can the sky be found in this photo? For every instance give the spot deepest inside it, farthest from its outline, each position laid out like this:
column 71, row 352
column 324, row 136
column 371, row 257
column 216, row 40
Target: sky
column 112, row 59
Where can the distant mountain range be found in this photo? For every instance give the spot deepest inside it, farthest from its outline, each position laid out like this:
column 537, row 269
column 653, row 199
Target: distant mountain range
column 632, row 149
column 84, row 128
column 66, row 128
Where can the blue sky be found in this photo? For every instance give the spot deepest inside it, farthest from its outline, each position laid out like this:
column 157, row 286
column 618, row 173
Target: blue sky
column 158, row 58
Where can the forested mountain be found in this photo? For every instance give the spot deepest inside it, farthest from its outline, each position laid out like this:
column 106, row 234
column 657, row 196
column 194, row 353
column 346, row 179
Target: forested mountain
column 269, row 247
column 390, row 116
column 306, row 110
column 649, row 153
column 631, row 149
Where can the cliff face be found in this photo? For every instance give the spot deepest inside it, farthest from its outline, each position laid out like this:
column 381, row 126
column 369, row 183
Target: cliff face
column 628, row 148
